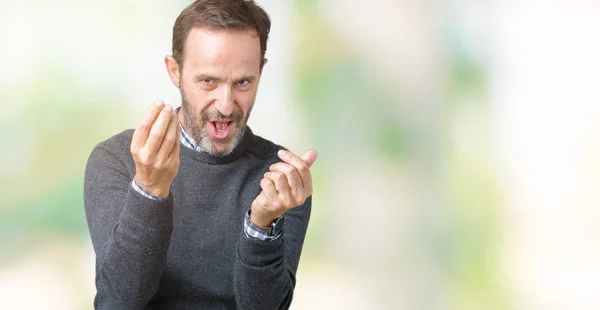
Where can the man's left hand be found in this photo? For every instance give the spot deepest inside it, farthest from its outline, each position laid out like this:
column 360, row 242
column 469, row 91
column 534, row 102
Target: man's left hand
column 286, row 186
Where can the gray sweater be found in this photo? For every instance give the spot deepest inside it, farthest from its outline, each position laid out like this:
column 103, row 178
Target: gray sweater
column 188, row 251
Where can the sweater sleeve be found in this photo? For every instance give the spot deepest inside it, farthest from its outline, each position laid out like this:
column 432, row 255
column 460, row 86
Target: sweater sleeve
column 130, row 233
column 265, row 271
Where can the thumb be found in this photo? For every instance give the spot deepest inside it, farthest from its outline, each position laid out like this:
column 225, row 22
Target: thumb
column 309, row 157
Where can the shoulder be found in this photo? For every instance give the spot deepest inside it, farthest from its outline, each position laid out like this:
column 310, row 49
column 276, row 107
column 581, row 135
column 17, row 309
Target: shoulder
column 118, row 142
column 114, row 149
column 264, row 148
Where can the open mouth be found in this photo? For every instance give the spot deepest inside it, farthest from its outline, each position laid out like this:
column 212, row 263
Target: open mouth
column 221, row 129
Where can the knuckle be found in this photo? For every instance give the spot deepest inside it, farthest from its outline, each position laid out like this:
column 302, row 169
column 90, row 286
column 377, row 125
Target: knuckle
column 303, row 168
column 144, row 158
column 288, row 202
column 155, row 136
column 280, row 176
column 267, row 186
column 144, row 126
column 169, row 140
column 289, row 170
column 302, row 200
column 284, row 167
column 299, row 199
column 158, row 164
column 265, row 183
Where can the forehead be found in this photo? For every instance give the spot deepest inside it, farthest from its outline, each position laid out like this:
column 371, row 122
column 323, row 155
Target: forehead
column 222, row 49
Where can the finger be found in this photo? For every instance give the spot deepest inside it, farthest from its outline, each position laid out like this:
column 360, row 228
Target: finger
column 159, row 129
column 302, row 166
column 309, row 157
column 140, row 135
column 281, row 183
column 269, row 190
column 170, row 138
column 175, row 151
column 293, row 178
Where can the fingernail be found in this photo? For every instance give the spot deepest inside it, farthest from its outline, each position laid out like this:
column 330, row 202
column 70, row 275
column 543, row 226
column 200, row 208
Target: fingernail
column 159, row 103
column 271, row 167
column 264, row 175
column 168, row 107
column 281, row 152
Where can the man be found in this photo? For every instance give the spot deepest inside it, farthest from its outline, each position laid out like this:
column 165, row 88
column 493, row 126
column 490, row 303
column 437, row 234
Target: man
column 192, row 210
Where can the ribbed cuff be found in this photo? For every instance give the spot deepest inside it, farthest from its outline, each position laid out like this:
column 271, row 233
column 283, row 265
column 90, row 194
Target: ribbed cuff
column 259, row 253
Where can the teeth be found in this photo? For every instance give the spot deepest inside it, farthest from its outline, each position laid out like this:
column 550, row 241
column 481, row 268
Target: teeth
column 221, row 126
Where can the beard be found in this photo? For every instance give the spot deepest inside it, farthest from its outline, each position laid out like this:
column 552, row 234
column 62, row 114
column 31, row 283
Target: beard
column 197, row 128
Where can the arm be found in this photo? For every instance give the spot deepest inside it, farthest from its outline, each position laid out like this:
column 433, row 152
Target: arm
column 265, row 271
column 130, row 230
column 130, row 234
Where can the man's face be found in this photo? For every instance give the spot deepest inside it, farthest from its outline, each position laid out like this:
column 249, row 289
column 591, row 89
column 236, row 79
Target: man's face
column 218, row 84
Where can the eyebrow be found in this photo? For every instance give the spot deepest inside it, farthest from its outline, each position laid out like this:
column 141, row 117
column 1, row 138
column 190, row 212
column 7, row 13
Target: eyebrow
column 203, row 76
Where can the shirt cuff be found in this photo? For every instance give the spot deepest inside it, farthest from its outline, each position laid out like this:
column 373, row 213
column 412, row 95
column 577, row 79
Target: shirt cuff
column 144, row 192
column 254, row 232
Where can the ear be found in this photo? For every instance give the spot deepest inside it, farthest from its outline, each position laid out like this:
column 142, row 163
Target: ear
column 263, row 64
column 173, row 70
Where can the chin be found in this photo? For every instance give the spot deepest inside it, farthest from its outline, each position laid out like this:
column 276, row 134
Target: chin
column 219, row 147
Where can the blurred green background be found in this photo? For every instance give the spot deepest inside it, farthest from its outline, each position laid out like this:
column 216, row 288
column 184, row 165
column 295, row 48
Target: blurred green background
column 459, row 155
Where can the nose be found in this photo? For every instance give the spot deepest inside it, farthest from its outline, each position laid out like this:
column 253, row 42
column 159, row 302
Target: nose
column 224, row 102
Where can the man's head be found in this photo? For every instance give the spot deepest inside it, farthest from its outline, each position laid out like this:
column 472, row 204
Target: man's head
column 218, row 55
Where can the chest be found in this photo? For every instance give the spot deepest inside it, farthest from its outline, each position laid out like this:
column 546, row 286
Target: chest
column 207, row 224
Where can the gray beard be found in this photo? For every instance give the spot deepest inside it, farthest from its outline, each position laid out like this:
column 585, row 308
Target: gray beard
column 197, row 130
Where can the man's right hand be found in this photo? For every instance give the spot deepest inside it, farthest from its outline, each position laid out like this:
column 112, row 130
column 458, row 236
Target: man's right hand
column 155, row 149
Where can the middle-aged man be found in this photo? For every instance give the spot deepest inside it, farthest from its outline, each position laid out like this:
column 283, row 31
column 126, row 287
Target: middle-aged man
column 191, row 210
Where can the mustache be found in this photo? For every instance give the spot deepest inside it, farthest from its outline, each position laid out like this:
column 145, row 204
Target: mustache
column 235, row 116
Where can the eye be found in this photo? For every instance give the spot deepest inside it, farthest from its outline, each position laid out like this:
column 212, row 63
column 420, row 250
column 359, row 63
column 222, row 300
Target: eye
column 207, row 83
column 243, row 82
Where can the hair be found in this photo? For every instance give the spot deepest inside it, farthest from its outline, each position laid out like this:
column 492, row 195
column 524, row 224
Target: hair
column 220, row 15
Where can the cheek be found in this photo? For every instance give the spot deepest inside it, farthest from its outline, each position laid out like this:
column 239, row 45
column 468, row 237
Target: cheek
column 196, row 97
column 245, row 100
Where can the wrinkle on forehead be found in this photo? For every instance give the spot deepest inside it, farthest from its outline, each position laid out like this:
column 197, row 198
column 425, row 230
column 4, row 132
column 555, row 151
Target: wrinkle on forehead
column 224, row 51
